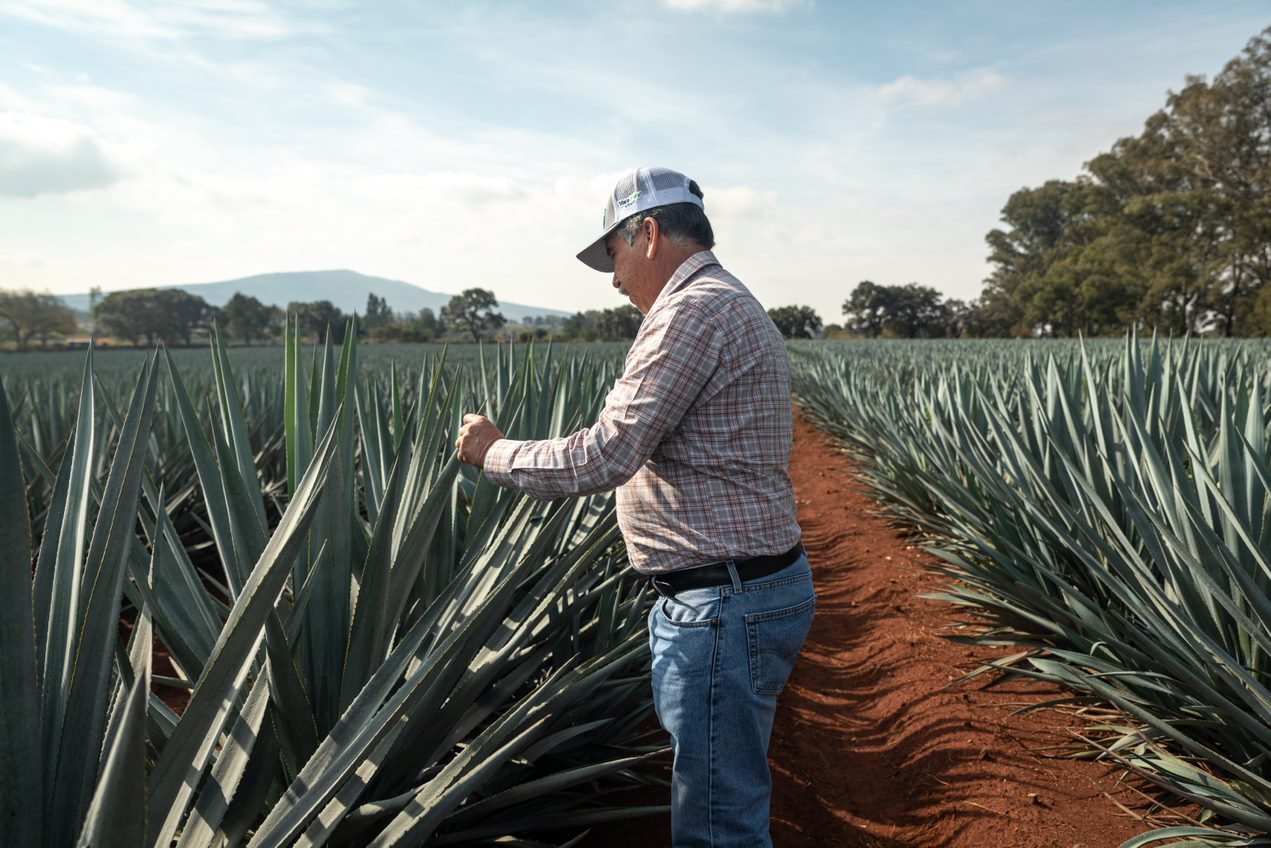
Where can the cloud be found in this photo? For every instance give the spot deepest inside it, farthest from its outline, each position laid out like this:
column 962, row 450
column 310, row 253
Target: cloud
column 735, row 6
column 44, row 156
column 29, row 172
column 942, row 92
column 113, row 16
column 172, row 19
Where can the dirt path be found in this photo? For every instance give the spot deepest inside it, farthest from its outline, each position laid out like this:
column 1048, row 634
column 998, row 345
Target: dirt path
column 870, row 749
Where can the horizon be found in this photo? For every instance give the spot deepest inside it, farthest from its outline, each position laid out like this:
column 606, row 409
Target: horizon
column 173, row 145
column 392, row 293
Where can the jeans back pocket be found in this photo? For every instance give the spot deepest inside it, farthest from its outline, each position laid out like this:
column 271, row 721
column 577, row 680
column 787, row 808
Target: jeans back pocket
column 774, row 639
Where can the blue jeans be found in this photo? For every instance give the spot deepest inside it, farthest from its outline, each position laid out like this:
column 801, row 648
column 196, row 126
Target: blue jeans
column 720, row 658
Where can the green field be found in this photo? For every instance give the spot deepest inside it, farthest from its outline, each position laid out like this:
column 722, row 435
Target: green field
column 359, row 640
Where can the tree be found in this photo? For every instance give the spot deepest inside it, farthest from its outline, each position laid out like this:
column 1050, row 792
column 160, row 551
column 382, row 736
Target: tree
column 833, row 331
column 916, row 311
column 1169, row 229
column 32, row 314
column 796, row 322
column 94, row 295
column 473, row 310
column 867, row 308
column 179, row 314
column 320, row 317
column 957, row 319
column 249, row 320
column 169, row 315
column 378, row 313
column 408, row 327
column 622, row 323
column 430, row 324
column 123, row 315
column 1159, row 234
column 1221, row 132
column 1041, row 231
column 580, row 325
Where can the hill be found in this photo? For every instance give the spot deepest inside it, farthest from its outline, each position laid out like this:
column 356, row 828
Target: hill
column 346, row 289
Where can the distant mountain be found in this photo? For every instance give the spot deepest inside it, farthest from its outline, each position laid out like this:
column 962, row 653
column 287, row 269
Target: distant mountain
column 346, row 289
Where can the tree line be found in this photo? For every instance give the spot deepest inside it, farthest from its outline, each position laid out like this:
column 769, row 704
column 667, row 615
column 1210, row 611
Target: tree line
column 1170, row 229
column 872, row 310
column 176, row 317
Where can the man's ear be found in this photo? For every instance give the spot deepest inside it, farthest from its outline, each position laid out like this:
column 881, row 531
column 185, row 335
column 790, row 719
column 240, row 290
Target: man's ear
column 652, row 229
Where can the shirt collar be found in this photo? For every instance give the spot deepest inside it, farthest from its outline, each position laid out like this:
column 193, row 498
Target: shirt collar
column 689, row 267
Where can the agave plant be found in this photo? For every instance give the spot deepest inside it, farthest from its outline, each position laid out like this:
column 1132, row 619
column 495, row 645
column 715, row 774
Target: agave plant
column 1109, row 513
column 391, row 651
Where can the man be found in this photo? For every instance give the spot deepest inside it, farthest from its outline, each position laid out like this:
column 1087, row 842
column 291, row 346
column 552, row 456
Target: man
column 695, row 436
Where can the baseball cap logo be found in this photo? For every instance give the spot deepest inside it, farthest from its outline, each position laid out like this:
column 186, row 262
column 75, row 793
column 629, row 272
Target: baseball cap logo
column 624, row 202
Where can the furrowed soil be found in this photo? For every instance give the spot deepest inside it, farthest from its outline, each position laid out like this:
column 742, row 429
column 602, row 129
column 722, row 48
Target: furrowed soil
column 873, row 747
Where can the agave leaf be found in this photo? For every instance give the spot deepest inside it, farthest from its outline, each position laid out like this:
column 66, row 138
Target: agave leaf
column 373, row 429
column 231, row 764
column 117, row 814
column 552, row 783
column 297, row 618
column 46, row 562
column 65, row 572
column 210, row 481
column 247, row 527
column 298, row 427
column 21, row 778
column 324, row 634
column 186, row 754
column 365, row 724
column 298, row 735
column 256, row 788
column 89, row 685
column 508, row 736
column 385, row 582
column 1207, row 838
column 234, row 429
column 185, row 613
column 371, row 627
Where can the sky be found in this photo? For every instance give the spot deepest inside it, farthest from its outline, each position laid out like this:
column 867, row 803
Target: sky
column 465, row 144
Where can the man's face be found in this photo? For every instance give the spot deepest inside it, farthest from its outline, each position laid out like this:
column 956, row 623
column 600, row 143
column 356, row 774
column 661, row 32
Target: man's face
column 631, row 270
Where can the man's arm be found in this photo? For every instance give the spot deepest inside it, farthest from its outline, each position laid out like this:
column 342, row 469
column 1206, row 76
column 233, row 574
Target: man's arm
column 671, row 361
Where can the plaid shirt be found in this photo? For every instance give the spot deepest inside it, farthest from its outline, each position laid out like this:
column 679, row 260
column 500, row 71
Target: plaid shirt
column 695, row 434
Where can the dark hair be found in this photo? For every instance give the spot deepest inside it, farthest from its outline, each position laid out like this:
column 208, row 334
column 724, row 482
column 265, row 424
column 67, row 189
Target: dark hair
column 682, row 223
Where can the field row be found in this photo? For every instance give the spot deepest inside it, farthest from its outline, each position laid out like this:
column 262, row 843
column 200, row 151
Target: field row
column 1103, row 509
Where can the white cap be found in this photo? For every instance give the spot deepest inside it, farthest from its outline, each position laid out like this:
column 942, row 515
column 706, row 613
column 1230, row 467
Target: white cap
column 637, row 191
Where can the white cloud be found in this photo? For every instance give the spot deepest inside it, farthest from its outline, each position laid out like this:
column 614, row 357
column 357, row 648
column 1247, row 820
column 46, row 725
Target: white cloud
column 29, row 172
column 387, row 196
column 114, row 16
column 171, row 19
column 46, row 156
column 735, row 6
column 942, row 92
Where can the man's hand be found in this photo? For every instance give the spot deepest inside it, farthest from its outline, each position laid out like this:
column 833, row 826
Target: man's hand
column 475, row 437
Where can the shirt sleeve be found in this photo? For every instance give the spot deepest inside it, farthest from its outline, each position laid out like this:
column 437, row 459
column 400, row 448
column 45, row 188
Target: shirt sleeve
column 673, row 358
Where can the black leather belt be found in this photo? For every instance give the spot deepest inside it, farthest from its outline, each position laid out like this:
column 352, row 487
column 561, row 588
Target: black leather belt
column 716, row 573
